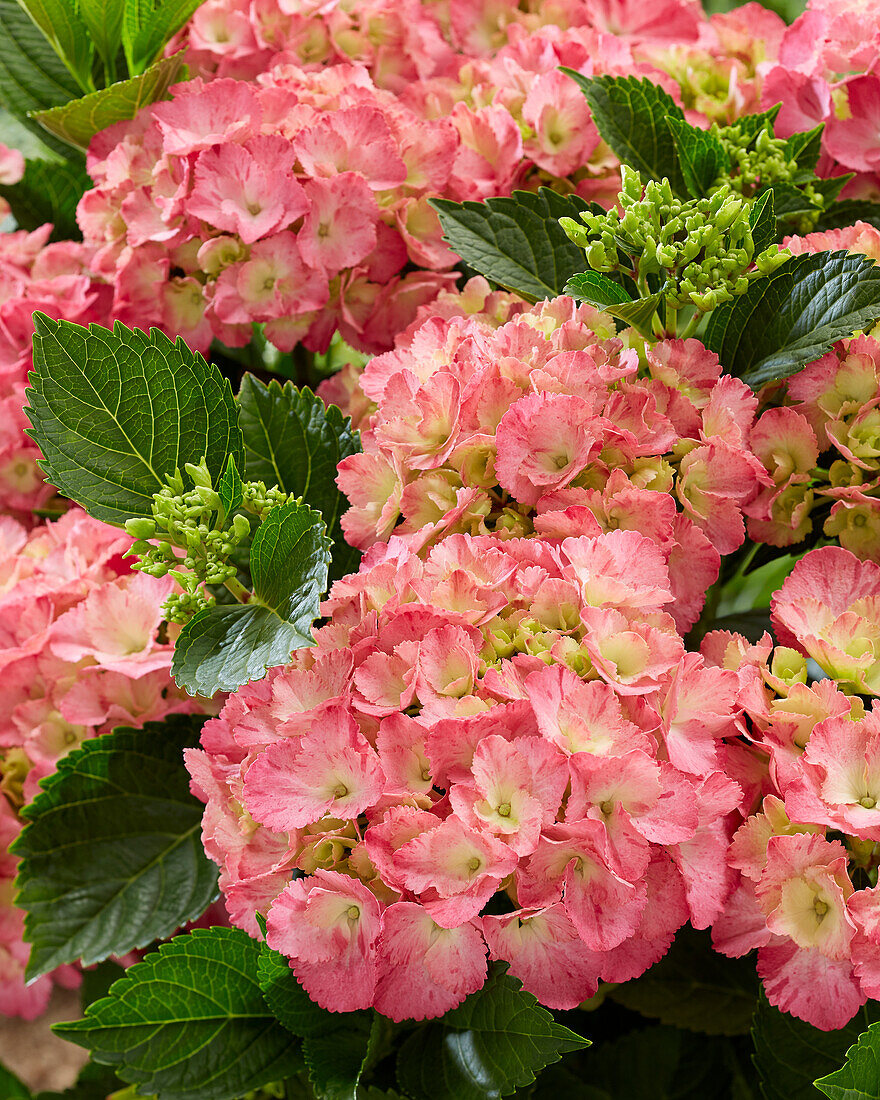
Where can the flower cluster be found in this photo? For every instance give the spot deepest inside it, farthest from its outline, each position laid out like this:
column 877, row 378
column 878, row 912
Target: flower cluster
column 53, row 278
column 510, row 724
column 551, row 425
column 79, row 654
column 807, row 860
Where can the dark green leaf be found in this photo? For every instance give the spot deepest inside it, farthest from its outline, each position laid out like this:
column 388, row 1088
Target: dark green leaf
column 752, row 125
column 96, row 981
column 95, row 1082
column 31, row 74
column 762, row 219
column 752, row 624
column 662, row 1063
column 859, row 1077
column 226, row 646
column 189, row 1022
column 847, row 212
column 158, row 26
column 79, row 120
column 517, row 242
column 293, row 440
column 804, row 148
column 695, row 988
column 112, row 857
column 60, row 22
column 492, row 1044
column 229, row 488
column 104, row 21
column 631, row 115
column 794, row 315
column 701, row 156
column 337, row 1059
column 11, row 1088
column 790, row 1054
column 830, row 189
column 48, row 192
column 114, row 413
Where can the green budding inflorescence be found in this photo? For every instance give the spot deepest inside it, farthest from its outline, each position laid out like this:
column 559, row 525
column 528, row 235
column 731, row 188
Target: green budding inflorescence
column 696, row 252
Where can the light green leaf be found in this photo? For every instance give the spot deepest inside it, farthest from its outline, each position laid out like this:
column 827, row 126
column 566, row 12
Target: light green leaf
column 48, row 192
column 79, row 120
column 115, row 412
column 631, row 115
column 189, row 1022
column 11, row 1088
column 112, row 857
column 859, row 1077
column 157, row 27
column 492, row 1044
column 701, row 156
column 597, row 289
column 293, row 440
column 693, row 987
column 60, row 22
column 638, row 313
column 516, row 242
column 104, row 21
column 762, row 220
column 795, row 315
column 229, row 488
column 790, row 1054
column 226, row 646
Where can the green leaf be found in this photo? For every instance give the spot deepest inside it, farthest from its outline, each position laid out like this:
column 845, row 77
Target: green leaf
column 631, row 115
column 695, row 988
column 229, row 488
column 60, row 22
column 848, row 211
column 189, row 1022
column 292, row 1006
column 492, row 1044
column 48, row 192
column 596, row 289
column 790, row 1054
column 638, row 313
column 96, row 981
column 517, row 242
column 337, row 1059
column 157, row 27
column 859, row 1077
column 112, row 857
column 752, row 125
column 11, row 1088
column 804, row 148
column 77, row 121
column 115, row 412
column 293, row 440
column 104, row 21
column 762, row 219
column 226, row 646
column 94, row 1083
column 794, row 315
column 32, row 75
column 701, row 156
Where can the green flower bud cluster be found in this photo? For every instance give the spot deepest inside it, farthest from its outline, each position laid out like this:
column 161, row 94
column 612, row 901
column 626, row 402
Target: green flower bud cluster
column 699, row 251
column 755, row 161
column 260, row 500
column 193, row 521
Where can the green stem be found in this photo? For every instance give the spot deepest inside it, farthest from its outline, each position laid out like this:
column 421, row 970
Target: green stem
column 692, row 325
column 237, row 589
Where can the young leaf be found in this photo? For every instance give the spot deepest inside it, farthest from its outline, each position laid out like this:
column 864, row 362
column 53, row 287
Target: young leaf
column 32, row 76
column 790, row 1054
column 695, row 988
column 229, row 488
column 60, row 22
column 78, row 121
column 293, row 440
column 48, row 192
column 701, row 156
column 104, row 21
column 158, row 26
column 492, row 1044
column 228, row 645
column 631, row 115
column 516, row 242
column 11, row 1088
column 859, row 1077
column 597, row 289
column 804, row 148
column 794, row 315
column 112, row 857
column 115, row 412
column 189, row 1022
column 762, row 219
column 752, row 125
